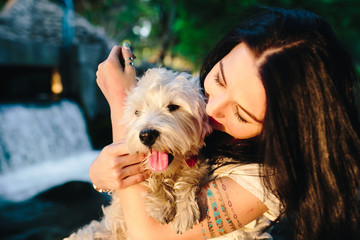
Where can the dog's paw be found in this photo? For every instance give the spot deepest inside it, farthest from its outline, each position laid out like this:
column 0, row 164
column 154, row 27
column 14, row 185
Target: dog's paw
column 162, row 217
column 184, row 220
column 180, row 226
column 163, row 213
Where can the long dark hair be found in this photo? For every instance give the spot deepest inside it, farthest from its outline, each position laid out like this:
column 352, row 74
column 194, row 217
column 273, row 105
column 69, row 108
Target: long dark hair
column 310, row 145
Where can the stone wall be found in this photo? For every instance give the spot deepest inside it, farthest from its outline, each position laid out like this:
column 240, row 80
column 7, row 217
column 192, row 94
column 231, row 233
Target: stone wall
column 31, row 34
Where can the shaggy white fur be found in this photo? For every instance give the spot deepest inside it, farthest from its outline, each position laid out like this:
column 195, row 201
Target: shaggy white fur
column 166, row 119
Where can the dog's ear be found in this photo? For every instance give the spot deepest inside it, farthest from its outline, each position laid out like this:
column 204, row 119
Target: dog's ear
column 195, row 80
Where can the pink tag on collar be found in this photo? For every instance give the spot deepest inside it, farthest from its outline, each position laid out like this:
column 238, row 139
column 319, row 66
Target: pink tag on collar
column 191, row 161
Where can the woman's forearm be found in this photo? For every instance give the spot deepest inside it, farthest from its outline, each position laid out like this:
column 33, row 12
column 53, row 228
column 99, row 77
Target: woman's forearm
column 118, row 128
column 114, row 80
column 141, row 226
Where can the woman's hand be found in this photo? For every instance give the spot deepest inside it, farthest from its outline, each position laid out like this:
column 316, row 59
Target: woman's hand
column 115, row 169
column 114, row 80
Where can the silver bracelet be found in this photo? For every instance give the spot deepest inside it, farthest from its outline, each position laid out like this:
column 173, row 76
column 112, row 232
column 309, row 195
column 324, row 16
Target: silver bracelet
column 103, row 190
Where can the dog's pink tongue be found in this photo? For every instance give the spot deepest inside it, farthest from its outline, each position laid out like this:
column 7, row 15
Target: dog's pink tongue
column 158, row 161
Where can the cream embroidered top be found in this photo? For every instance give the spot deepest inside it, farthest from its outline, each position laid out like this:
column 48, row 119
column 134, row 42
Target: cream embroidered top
column 248, row 177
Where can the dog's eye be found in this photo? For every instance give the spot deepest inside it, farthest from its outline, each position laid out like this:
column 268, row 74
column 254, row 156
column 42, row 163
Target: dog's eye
column 137, row 113
column 173, row 107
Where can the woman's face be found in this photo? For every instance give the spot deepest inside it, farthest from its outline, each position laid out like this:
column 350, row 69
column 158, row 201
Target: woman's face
column 236, row 96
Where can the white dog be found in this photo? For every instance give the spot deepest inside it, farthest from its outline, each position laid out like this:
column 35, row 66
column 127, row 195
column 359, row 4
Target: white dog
column 166, row 119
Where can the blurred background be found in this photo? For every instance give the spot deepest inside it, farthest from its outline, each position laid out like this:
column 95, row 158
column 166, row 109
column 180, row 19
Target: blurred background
column 53, row 118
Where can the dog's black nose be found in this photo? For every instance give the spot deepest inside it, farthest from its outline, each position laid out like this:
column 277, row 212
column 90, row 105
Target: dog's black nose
column 148, row 136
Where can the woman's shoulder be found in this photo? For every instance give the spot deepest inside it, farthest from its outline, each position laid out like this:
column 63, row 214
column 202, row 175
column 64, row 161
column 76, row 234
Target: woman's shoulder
column 248, row 176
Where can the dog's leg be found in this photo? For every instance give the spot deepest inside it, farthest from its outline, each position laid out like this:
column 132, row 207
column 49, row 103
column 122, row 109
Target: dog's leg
column 160, row 200
column 187, row 208
column 114, row 221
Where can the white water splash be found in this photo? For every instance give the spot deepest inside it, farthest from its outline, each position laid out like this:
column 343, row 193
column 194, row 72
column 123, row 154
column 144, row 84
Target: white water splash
column 27, row 182
column 41, row 146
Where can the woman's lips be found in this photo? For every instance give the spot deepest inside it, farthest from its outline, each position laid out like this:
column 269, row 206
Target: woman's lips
column 215, row 124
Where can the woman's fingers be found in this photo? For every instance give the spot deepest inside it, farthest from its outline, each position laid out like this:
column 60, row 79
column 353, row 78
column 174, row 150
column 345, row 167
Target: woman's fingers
column 133, row 179
column 114, row 172
column 115, row 54
column 127, row 164
column 127, row 175
column 127, row 169
column 131, row 175
column 129, row 60
column 119, row 148
column 115, row 79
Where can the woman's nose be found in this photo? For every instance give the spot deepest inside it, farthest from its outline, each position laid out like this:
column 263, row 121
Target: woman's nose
column 215, row 107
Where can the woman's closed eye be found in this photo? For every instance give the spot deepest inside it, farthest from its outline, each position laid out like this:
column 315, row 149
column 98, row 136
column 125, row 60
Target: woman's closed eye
column 222, row 83
column 218, row 81
column 238, row 116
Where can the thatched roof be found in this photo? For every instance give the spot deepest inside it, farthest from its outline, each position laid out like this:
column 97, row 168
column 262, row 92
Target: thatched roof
column 42, row 21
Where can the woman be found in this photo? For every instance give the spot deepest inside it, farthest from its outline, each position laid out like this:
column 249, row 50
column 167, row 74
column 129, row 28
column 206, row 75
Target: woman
column 282, row 87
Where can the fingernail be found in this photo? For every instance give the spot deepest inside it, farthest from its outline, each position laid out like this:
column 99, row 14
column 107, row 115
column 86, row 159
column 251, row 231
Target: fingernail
column 126, row 45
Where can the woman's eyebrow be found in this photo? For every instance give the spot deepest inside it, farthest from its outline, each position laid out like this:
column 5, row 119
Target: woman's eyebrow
column 246, row 111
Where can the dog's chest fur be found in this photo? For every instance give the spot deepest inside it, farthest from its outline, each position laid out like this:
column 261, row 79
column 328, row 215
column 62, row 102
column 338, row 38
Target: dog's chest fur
column 168, row 196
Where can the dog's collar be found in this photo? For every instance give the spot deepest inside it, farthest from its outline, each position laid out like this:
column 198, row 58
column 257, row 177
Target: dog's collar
column 191, row 161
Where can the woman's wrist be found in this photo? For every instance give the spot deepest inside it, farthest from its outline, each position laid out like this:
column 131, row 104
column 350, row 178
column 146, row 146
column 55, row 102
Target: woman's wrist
column 100, row 190
column 117, row 102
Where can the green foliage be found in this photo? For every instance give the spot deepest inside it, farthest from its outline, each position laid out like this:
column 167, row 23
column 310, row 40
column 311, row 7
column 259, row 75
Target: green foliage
column 188, row 29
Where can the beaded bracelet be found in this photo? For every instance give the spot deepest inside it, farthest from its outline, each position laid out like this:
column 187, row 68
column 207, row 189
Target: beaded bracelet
column 102, row 190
